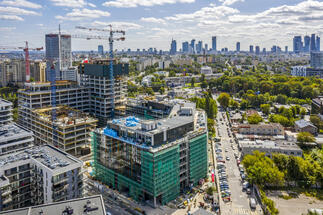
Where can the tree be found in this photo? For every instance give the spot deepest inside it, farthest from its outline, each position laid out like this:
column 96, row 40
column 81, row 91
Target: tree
column 210, row 190
column 172, row 74
column 224, row 100
column 305, row 137
column 234, row 104
column 265, row 108
column 193, row 82
column 204, row 84
column 254, row 119
column 316, row 120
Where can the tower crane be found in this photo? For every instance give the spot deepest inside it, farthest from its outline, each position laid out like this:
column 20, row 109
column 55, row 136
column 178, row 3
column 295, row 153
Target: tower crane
column 26, row 50
column 111, row 39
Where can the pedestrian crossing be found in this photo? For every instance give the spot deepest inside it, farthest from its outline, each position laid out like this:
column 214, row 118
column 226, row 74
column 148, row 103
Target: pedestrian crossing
column 239, row 211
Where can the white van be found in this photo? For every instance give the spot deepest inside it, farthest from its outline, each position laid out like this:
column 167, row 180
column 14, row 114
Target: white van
column 253, row 204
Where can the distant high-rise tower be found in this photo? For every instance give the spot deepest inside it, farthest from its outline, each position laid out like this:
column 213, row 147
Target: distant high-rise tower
column 251, row 49
column 100, row 49
column 238, row 47
column 58, row 51
column 286, row 49
column 307, row 42
column 297, row 44
column 199, row 47
column 185, row 47
column 214, row 43
column 313, row 43
column 318, row 43
column 206, row 48
column 257, row 50
column 193, row 45
column 173, row 47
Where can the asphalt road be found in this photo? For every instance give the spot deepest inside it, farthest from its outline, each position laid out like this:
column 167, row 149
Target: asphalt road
column 239, row 203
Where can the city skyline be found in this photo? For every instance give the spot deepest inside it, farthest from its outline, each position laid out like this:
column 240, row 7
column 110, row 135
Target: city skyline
column 154, row 24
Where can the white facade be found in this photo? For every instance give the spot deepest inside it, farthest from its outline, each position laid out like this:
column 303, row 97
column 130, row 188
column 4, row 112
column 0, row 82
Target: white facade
column 206, row 70
column 299, row 71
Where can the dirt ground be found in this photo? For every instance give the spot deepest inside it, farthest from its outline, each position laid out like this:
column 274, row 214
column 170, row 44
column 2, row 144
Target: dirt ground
column 294, row 206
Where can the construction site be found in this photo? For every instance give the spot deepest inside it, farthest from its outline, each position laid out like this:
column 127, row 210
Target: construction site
column 73, row 129
column 153, row 160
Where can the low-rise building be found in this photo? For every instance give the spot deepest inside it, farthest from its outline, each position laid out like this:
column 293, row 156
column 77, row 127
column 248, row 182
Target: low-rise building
column 269, row 147
column 91, row 205
column 317, row 105
column 5, row 112
column 271, row 129
column 305, row 126
column 206, row 70
column 38, row 175
column 14, row 137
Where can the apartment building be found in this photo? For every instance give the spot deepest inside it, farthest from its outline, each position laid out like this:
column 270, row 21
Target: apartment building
column 153, row 160
column 271, row 129
column 14, row 137
column 38, row 175
column 70, row 131
column 12, row 72
column 5, row 112
column 305, row 126
column 91, row 205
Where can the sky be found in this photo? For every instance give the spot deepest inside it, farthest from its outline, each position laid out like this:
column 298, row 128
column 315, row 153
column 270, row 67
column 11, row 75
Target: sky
column 154, row 23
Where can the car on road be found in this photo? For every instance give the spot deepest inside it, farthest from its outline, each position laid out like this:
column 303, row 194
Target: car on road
column 248, row 191
column 227, row 158
column 238, row 161
column 253, row 203
column 245, row 185
column 243, row 176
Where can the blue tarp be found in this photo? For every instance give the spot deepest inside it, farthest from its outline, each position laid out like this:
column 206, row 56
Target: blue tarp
column 110, row 132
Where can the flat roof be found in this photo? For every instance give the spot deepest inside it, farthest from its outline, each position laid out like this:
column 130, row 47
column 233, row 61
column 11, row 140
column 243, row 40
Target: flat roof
column 49, row 156
column 65, row 116
column 12, row 132
column 94, row 204
column 267, row 144
column 4, row 103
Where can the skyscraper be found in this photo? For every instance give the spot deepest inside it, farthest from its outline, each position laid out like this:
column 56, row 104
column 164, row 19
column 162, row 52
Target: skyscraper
column 286, row 49
column 257, row 50
column 318, row 43
column 173, row 47
column 297, row 44
column 58, row 51
column 193, row 45
column 251, row 49
column 238, row 47
column 313, row 44
column 214, row 43
column 185, row 47
column 206, row 47
column 199, row 46
column 100, row 49
column 307, row 42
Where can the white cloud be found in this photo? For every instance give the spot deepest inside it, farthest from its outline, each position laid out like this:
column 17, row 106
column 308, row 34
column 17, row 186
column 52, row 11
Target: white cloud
column 79, row 14
column 11, row 17
column 69, row 3
column 7, row 28
column 17, row 11
column 153, row 20
column 41, row 25
column 91, row 5
column 122, row 25
column 205, row 13
column 21, row 3
column 146, row 3
column 230, row 2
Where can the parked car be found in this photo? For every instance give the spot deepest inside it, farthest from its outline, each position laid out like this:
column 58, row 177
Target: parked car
column 248, row 191
column 253, row 204
column 227, row 158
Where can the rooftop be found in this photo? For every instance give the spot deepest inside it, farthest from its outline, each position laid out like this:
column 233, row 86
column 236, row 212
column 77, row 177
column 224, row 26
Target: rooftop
column 12, row 132
column 267, row 144
column 303, row 123
column 65, row 116
column 92, row 205
column 47, row 155
column 4, row 103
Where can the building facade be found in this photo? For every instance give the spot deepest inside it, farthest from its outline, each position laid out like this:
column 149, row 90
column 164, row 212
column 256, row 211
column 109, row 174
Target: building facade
column 272, row 129
column 154, row 160
column 12, row 72
column 38, row 175
column 5, row 112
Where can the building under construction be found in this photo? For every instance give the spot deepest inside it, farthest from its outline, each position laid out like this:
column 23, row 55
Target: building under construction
column 107, row 94
column 73, row 128
column 155, row 159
